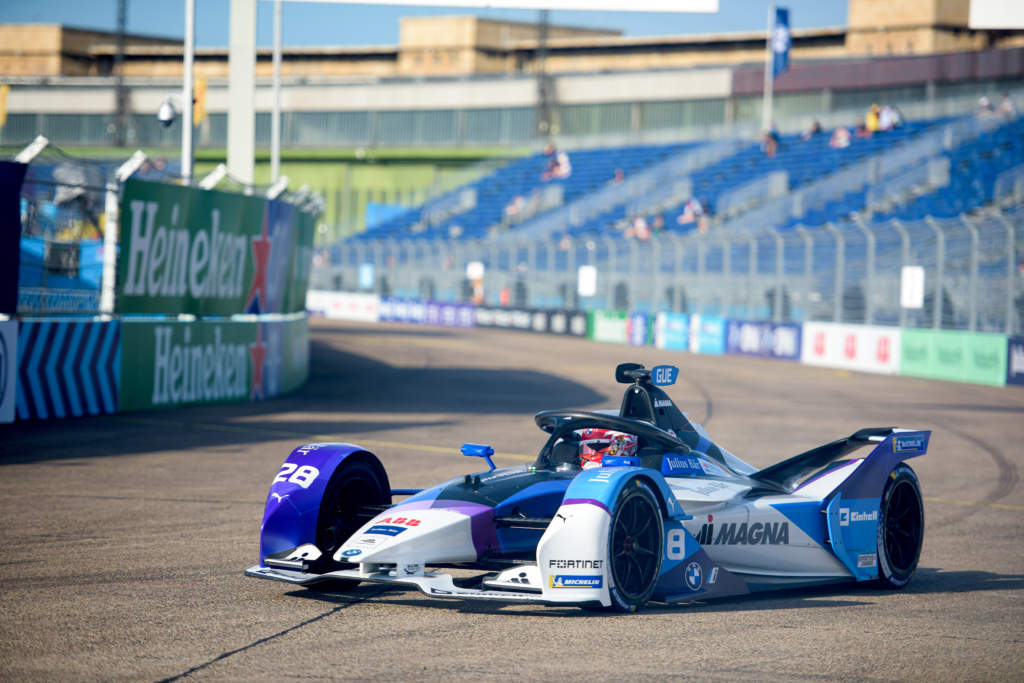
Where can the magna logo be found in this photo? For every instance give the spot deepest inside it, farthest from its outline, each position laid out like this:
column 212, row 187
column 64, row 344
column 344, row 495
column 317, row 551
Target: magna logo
column 574, row 581
column 758, row 533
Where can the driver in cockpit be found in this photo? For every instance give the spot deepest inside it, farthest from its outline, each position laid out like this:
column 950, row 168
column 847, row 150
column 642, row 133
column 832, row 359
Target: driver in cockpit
column 597, row 443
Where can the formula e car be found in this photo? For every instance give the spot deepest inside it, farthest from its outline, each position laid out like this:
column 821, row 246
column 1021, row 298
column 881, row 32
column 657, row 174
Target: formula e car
column 664, row 514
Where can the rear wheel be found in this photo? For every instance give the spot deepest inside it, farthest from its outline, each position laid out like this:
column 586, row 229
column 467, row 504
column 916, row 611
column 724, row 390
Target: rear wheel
column 634, row 547
column 900, row 528
column 355, row 484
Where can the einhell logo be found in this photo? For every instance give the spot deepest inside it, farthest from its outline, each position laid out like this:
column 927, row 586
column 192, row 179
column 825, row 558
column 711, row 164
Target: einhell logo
column 165, row 261
column 846, row 516
column 758, row 533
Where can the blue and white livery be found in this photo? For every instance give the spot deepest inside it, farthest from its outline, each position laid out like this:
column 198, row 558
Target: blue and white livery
column 678, row 519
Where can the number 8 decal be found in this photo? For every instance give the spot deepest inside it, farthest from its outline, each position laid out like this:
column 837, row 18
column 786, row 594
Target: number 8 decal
column 676, row 547
column 293, row 474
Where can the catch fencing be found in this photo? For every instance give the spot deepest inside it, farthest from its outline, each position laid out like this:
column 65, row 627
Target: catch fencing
column 940, row 273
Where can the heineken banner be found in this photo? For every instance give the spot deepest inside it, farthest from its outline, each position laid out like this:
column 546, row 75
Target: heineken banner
column 205, row 252
column 187, row 363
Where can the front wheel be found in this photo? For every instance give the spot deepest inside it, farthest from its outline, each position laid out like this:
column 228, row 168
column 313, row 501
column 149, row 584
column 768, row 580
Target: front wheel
column 634, row 547
column 356, row 483
column 900, row 528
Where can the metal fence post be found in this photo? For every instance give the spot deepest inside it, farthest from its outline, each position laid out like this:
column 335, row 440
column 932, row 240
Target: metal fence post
column 1011, row 247
column 110, row 231
column 656, row 242
column 869, row 275
column 701, row 256
column 940, row 271
column 777, row 303
column 808, row 273
column 677, row 269
column 840, row 267
column 611, row 245
column 904, row 261
column 634, row 265
column 751, row 276
column 727, row 283
column 972, row 294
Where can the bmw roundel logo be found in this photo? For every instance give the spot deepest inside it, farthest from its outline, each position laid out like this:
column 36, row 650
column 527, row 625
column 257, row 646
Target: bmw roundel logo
column 351, row 552
column 694, row 576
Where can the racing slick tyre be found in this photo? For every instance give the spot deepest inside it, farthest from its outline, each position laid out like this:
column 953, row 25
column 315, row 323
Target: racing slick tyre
column 900, row 528
column 360, row 480
column 635, row 539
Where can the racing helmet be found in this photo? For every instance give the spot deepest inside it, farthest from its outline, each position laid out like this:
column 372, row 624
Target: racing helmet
column 596, row 443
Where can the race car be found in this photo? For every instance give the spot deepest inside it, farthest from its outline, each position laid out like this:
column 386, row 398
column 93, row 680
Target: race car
column 620, row 507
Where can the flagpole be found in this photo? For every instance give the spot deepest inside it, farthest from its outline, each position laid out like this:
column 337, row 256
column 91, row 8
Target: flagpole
column 769, row 76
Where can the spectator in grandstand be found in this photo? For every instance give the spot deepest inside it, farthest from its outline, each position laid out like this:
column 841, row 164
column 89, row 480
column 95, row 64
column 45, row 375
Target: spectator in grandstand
column 812, row 131
column 984, row 109
column 514, row 208
column 840, row 138
column 658, row 225
column 888, row 118
column 638, row 229
column 619, row 176
column 871, row 120
column 692, row 211
column 1007, row 109
column 559, row 165
column 862, row 130
column 770, row 142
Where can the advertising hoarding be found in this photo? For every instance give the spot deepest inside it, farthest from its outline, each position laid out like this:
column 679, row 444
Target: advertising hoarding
column 976, row 357
column 176, row 363
column 707, row 334
column 609, row 327
column 8, row 368
column 344, row 305
column 672, row 331
column 637, row 329
column 765, row 339
column 187, row 250
column 865, row 348
column 1015, row 360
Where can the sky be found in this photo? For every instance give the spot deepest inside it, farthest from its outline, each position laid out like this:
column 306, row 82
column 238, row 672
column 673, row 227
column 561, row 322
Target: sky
column 322, row 24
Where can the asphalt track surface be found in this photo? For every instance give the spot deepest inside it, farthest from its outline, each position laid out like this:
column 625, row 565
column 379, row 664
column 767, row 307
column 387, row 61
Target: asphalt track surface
column 124, row 537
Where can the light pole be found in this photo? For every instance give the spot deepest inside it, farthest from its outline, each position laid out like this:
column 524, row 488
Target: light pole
column 186, row 93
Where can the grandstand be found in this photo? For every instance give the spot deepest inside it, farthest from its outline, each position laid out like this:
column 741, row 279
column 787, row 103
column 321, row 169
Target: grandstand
column 813, row 232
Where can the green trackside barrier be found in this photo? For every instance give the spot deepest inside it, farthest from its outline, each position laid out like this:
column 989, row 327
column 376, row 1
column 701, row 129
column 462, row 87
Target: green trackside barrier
column 204, row 252
column 975, row 357
column 172, row 363
column 609, row 326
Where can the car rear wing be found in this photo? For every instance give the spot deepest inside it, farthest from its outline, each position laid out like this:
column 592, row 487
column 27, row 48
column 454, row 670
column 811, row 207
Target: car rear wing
column 892, row 442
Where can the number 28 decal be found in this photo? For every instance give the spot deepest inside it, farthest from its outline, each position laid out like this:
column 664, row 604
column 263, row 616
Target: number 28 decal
column 293, row 474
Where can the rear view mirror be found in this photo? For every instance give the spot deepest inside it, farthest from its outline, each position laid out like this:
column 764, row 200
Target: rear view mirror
column 478, row 450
